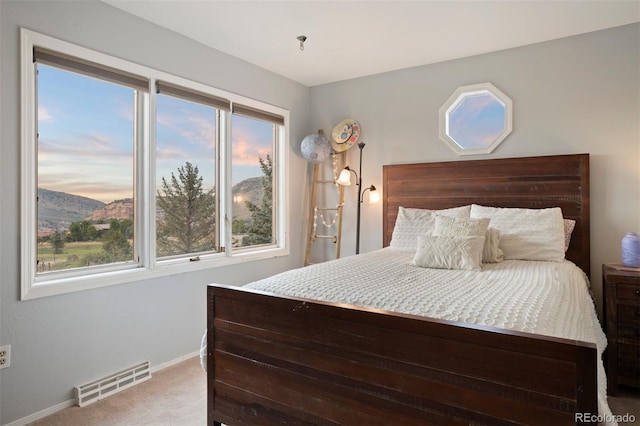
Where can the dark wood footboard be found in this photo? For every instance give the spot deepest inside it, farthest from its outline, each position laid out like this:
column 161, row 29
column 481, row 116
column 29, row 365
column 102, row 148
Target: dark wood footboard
column 283, row 360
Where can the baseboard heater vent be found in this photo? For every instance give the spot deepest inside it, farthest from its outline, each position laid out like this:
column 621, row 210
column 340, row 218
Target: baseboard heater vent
column 102, row 388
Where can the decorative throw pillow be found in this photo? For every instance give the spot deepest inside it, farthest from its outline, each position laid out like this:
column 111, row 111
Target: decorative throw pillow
column 448, row 252
column 527, row 234
column 569, row 225
column 492, row 253
column 460, row 226
column 412, row 223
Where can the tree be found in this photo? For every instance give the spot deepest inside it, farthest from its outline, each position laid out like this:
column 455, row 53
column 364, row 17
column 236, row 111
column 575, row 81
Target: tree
column 115, row 246
column 57, row 242
column 115, row 243
column 82, row 231
column 260, row 231
column 186, row 222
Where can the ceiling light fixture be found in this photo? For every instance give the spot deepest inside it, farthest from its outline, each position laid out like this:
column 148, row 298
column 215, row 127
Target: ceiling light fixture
column 302, row 39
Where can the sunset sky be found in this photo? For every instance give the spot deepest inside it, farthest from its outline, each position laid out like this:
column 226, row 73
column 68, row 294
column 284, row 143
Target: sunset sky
column 85, row 143
column 477, row 121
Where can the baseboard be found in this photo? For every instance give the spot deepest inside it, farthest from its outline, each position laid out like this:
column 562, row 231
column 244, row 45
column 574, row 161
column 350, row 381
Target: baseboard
column 42, row 414
column 70, row 403
column 174, row 361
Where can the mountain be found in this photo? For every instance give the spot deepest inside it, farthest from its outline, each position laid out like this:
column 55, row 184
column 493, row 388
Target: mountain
column 57, row 210
column 248, row 190
column 119, row 209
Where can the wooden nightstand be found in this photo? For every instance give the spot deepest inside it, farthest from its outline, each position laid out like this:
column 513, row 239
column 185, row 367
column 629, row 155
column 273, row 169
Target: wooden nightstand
column 622, row 324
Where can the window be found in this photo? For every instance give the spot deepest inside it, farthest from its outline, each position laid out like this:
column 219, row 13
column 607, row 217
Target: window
column 476, row 119
column 252, row 160
column 122, row 183
column 86, row 148
column 186, row 145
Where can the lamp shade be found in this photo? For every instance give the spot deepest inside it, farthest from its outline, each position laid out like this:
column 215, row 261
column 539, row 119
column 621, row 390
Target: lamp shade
column 315, row 148
column 374, row 196
column 344, row 178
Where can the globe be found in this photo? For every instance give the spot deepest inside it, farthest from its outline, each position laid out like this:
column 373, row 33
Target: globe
column 315, row 148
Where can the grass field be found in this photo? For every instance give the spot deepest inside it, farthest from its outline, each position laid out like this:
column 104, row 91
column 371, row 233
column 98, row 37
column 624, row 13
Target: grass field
column 72, row 255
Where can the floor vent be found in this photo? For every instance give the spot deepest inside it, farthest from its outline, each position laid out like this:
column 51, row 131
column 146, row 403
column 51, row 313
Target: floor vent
column 100, row 389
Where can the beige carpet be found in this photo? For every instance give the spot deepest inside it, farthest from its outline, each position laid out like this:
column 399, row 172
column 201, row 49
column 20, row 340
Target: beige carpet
column 177, row 396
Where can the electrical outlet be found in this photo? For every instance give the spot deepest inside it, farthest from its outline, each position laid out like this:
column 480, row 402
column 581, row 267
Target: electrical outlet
column 5, row 356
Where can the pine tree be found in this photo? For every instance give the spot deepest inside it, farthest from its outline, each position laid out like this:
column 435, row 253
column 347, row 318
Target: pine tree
column 260, row 231
column 57, row 242
column 187, row 219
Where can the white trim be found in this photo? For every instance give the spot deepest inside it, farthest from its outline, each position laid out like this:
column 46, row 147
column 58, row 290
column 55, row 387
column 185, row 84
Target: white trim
column 147, row 266
column 28, row 154
column 72, row 402
column 174, row 361
column 162, row 269
column 42, row 413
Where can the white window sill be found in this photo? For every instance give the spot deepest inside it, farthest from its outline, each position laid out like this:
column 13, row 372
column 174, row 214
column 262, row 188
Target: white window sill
column 51, row 286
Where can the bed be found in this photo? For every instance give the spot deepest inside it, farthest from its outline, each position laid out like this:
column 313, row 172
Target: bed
column 282, row 359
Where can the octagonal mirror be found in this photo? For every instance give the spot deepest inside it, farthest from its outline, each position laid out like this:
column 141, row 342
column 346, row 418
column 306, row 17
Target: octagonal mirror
column 475, row 119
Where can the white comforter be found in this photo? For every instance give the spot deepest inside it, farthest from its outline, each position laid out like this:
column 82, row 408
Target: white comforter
column 547, row 298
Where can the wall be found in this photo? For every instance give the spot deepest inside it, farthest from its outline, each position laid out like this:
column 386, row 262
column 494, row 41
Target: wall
column 579, row 94
column 574, row 95
column 63, row 341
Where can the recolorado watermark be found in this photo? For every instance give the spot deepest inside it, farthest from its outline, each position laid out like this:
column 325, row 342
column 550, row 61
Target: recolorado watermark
column 606, row 418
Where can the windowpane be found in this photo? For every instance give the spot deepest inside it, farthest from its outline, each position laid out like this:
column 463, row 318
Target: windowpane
column 252, row 143
column 85, row 171
column 185, row 177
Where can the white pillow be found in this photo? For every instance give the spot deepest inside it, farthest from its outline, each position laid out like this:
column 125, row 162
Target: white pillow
column 569, row 225
column 527, row 234
column 412, row 223
column 492, row 253
column 448, row 252
column 460, row 226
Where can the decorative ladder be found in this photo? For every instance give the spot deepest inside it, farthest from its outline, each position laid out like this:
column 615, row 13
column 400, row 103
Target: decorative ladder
column 338, row 161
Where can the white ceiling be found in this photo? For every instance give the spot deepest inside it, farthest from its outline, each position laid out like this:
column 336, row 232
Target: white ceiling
column 348, row 39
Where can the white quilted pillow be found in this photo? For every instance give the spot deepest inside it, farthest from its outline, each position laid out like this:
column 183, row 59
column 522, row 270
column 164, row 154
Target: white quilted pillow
column 527, row 234
column 449, row 252
column 491, row 252
column 412, row 223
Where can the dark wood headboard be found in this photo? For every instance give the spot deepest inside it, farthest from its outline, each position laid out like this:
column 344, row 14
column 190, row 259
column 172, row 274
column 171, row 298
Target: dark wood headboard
column 527, row 182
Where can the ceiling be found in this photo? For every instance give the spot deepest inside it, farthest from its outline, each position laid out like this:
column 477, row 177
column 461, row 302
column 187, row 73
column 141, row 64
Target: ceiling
column 348, row 39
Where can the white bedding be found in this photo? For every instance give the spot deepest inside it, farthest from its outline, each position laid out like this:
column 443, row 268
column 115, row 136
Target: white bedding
column 547, row 298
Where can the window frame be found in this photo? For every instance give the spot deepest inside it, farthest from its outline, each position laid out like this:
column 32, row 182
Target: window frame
column 35, row 286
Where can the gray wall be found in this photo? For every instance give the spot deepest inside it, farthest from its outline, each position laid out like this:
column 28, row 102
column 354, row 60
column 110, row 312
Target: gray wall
column 62, row 341
column 574, row 95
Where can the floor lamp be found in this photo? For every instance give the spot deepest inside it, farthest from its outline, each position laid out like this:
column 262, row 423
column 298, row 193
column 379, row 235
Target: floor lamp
column 345, row 179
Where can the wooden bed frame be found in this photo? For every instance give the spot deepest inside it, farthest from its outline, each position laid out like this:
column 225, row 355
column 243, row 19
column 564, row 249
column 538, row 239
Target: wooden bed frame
column 285, row 360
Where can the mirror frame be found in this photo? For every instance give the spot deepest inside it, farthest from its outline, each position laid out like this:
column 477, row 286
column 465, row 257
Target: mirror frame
column 456, row 98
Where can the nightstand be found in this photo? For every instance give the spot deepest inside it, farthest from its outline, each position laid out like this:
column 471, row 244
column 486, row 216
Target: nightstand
column 621, row 297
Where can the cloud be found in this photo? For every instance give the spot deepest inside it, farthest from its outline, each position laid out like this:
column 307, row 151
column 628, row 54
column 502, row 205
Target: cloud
column 471, row 107
column 188, row 125
column 84, row 147
column 44, row 114
column 170, row 153
column 246, row 148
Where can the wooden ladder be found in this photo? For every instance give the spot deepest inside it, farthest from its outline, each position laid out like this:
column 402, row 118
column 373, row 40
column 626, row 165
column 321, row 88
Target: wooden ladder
column 316, row 211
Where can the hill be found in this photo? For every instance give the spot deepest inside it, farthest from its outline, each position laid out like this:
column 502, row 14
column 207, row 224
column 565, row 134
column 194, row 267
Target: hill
column 119, row 209
column 57, row 210
column 248, row 190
